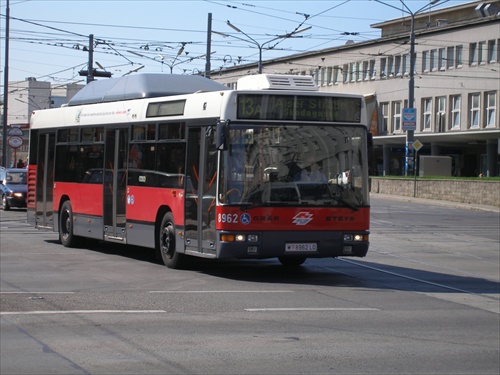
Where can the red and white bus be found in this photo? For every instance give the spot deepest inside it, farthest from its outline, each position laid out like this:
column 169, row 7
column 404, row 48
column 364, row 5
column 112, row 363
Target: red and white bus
column 188, row 167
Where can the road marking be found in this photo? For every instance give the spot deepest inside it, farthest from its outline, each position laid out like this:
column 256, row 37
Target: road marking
column 220, row 291
column 313, row 309
column 82, row 312
column 37, row 292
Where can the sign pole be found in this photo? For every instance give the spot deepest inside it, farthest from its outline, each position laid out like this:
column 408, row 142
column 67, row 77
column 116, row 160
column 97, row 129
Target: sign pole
column 417, row 145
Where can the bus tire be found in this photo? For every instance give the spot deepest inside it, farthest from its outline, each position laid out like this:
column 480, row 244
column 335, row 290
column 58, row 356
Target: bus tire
column 66, row 236
column 166, row 243
column 292, row 261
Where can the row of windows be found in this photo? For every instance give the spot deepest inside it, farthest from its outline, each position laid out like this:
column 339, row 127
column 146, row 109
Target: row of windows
column 441, row 114
column 160, row 165
column 439, row 59
column 153, row 155
column 484, row 52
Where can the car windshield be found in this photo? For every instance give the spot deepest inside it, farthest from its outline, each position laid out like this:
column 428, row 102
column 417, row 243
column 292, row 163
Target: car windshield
column 13, row 178
column 291, row 165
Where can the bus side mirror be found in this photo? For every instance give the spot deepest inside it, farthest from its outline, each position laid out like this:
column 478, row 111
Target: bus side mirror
column 221, row 135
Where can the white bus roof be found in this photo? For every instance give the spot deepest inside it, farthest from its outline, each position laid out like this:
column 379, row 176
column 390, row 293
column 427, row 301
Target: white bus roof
column 141, row 86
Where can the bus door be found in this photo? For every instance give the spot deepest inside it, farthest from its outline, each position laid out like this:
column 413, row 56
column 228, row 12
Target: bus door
column 44, row 209
column 201, row 172
column 115, row 184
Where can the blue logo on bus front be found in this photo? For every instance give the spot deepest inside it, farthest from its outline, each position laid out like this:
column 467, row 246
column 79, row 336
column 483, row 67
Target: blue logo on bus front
column 245, row 219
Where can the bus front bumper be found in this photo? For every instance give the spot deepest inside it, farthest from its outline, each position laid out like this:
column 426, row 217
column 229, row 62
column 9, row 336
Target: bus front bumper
column 310, row 244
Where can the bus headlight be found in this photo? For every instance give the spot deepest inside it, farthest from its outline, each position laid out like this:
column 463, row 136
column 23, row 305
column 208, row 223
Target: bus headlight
column 355, row 237
column 358, row 237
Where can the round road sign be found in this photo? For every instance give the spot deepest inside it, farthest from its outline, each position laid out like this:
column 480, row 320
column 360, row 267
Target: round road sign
column 15, row 141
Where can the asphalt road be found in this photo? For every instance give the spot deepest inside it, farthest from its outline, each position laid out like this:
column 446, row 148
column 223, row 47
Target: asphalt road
column 425, row 300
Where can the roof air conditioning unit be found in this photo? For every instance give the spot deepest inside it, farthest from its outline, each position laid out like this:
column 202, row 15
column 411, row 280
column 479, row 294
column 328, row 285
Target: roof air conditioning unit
column 277, row 82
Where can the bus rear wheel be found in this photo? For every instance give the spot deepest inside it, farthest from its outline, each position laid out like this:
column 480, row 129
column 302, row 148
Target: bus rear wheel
column 66, row 236
column 292, row 261
column 166, row 243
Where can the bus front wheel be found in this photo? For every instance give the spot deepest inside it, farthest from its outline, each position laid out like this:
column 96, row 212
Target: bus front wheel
column 166, row 242
column 66, row 235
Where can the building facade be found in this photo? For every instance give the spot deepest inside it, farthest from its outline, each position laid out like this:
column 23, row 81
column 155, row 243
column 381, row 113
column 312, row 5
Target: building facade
column 456, row 90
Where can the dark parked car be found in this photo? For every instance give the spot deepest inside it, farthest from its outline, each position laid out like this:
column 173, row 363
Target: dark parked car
column 13, row 187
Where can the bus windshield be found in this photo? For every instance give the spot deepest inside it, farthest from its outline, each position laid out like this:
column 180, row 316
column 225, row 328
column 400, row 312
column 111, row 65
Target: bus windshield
column 295, row 165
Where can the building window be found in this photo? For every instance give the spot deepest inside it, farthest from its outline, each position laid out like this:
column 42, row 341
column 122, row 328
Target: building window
column 482, row 53
column 336, row 75
column 434, row 60
column 383, row 66
column 425, row 61
column 366, row 72
column 455, row 102
column 442, row 59
column 390, row 66
column 396, row 117
column 372, row 69
column 474, row 110
column 384, row 126
column 406, row 64
column 498, row 50
column 473, row 54
column 329, row 76
column 441, row 114
column 491, row 109
column 492, row 51
column 426, row 114
column 397, row 66
column 458, row 56
column 323, row 76
column 450, row 59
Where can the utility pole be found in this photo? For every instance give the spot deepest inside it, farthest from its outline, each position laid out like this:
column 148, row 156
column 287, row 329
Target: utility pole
column 90, row 75
column 91, row 72
column 209, row 46
column 5, row 87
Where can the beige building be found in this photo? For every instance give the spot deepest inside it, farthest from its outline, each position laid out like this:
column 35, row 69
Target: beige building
column 456, row 89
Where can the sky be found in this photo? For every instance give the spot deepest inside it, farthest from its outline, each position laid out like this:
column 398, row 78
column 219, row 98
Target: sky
column 47, row 38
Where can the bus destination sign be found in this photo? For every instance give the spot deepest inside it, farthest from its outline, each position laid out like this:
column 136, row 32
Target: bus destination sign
column 299, row 108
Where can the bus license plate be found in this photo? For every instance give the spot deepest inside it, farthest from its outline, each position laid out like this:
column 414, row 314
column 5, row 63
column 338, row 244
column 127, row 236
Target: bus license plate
column 301, row 247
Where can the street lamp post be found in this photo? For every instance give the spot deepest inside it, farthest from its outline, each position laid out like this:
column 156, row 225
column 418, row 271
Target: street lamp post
column 5, row 160
column 409, row 152
column 260, row 46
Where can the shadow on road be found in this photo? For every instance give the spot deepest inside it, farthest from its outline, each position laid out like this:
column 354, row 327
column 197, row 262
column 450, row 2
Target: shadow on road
column 339, row 272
